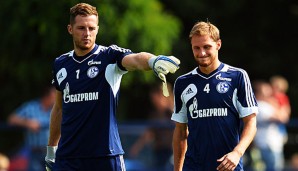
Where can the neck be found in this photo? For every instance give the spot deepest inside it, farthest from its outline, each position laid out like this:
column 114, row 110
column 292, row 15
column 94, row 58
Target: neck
column 82, row 52
column 210, row 68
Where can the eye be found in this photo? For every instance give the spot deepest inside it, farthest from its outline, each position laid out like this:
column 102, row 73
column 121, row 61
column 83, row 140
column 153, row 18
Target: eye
column 207, row 47
column 92, row 28
column 196, row 48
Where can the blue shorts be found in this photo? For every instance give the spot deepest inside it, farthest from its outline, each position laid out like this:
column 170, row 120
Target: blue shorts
column 109, row 163
column 190, row 165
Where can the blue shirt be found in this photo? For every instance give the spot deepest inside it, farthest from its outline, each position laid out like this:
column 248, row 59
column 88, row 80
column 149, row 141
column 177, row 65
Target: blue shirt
column 33, row 110
column 212, row 105
column 90, row 88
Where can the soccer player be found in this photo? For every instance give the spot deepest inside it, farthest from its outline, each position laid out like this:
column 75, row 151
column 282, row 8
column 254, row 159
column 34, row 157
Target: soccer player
column 210, row 104
column 83, row 126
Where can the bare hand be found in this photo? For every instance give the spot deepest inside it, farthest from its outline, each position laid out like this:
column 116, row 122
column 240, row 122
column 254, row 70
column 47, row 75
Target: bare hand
column 229, row 161
column 33, row 125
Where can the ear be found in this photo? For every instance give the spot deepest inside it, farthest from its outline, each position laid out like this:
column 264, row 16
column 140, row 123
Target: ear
column 218, row 44
column 69, row 29
column 97, row 30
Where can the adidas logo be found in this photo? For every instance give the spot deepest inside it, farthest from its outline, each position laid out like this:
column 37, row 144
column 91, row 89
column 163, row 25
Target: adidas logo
column 60, row 75
column 189, row 91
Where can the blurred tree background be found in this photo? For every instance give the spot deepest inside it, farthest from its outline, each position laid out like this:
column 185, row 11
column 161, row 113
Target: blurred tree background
column 258, row 36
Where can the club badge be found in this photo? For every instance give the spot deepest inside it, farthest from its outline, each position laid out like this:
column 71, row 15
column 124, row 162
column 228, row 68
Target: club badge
column 92, row 72
column 222, row 87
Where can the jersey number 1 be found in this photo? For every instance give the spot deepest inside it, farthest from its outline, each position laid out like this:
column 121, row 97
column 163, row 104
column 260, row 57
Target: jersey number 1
column 78, row 73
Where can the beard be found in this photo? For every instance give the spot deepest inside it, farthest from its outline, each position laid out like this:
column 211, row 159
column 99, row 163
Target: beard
column 201, row 64
column 82, row 46
column 205, row 62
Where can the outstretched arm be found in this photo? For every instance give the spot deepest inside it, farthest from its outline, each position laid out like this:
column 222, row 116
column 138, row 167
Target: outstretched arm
column 161, row 65
column 137, row 61
column 146, row 61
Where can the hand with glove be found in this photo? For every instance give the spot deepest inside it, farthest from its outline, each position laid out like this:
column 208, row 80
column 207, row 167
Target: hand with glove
column 50, row 157
column 162, row 65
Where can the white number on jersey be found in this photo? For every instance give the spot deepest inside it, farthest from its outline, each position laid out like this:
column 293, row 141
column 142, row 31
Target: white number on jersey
column 207, row 88
column 78, row 73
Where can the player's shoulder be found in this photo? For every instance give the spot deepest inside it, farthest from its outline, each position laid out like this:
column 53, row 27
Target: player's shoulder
column 186, row 78
column 96, row 50
column 115, row 47
column 232, row 69
column 188, row 75
column 64, row 56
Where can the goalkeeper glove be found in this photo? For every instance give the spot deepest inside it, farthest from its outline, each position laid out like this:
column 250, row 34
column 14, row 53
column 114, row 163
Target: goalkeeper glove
column 162, row 65
column 50, row 157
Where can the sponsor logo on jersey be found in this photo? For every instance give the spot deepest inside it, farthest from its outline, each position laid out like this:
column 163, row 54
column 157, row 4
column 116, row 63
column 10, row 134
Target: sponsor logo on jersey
column 92, row 72
column 189, row 91
column 61, row 75
column 94, row 62
column 218, row 77
column 80, row 97
column 203, row 113
column 222, row 87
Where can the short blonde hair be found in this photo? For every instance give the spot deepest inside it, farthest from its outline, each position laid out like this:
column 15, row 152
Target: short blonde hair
column 82, row 9
column 205, row 28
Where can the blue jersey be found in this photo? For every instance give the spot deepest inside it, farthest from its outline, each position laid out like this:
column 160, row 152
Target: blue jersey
column 34, row 110
column 212, row 105
column 90, row 88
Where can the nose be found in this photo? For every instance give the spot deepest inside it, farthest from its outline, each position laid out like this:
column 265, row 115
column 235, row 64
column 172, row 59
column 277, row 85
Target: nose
column 202, row 53
column 87, row 32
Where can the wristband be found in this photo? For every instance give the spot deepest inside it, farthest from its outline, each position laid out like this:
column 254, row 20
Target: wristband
column 151, row 61
column 51, row 151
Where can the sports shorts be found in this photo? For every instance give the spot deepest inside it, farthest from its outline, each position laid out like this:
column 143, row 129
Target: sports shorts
column 108, row 163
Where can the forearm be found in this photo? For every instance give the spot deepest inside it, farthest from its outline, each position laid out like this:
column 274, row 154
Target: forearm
column 55, row 121
column 137, row 61
column 55, row 127
column 247, row 136
column 179, row 150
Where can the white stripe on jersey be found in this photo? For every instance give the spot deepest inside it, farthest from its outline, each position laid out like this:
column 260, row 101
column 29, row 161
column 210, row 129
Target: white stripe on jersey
column 122, row 163
column 248, row 88
column 113, row 76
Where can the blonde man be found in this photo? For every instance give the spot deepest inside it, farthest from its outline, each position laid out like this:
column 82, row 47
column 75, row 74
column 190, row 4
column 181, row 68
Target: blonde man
column 211, row 102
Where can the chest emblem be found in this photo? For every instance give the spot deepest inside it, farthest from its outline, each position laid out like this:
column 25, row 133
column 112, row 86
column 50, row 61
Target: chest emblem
column 222, row 87
column 92, row 72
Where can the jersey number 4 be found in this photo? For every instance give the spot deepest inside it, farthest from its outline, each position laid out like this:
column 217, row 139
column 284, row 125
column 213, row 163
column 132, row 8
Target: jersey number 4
column 207, row 88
